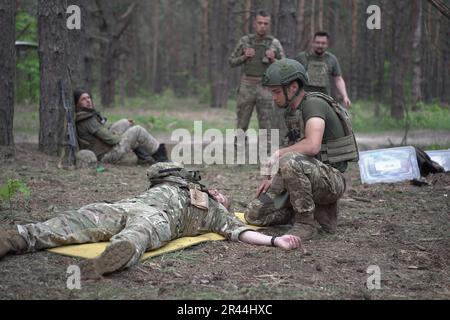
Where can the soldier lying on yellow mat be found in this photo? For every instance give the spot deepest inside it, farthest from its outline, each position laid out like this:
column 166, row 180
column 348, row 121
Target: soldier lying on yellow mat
column 176, row 205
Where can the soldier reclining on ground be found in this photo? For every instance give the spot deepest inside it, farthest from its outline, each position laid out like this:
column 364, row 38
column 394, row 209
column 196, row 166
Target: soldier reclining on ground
column 176, row 205
column 111, row 145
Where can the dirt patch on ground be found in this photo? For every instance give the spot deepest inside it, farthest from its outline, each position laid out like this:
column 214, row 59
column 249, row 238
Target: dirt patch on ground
column 401, row 228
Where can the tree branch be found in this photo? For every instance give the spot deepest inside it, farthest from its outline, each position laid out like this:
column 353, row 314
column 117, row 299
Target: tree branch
column 441, row 6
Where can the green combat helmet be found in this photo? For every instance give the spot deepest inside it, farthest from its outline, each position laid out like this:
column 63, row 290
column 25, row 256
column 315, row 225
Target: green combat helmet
column 282, row 73
column 172, row 172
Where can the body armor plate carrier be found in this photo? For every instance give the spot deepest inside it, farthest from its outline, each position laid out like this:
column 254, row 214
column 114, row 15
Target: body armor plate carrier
column 332, row 151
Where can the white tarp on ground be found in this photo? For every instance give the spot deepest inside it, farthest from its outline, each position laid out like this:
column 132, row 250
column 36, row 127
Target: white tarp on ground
column 388, row 165
column 442, row 157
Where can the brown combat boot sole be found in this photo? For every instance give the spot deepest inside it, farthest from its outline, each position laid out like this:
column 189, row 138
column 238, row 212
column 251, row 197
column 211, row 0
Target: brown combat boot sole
column 115, row 257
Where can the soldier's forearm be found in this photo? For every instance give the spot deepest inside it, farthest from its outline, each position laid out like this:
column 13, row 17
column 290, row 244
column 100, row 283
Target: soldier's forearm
column 305, row 147
column 106, row 136
column 237, row 61
column 255, row 238
column 342, row 88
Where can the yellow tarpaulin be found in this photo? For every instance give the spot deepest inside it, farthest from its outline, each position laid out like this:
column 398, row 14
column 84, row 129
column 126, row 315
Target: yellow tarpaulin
column 92, row 250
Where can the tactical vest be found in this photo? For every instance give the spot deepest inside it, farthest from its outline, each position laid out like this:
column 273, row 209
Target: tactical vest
column 332, row 151
column 318, row 73
column 257, row 65
column 180, row 176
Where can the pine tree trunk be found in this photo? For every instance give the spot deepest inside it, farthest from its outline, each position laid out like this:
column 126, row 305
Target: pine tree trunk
column 218, row 70
column 321, row 15
column 313, row 19
column 417, row 54
column 156, row 36
column 300, row 43
column 400, row 60
column 78, row 48
column 287, row 22
column 354, row 59
column 107, row 76
column 204, row 53
column 53, row 45
column 8, row 70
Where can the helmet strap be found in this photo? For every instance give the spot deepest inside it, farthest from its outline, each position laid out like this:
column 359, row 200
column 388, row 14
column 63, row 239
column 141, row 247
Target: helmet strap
column 289, row 101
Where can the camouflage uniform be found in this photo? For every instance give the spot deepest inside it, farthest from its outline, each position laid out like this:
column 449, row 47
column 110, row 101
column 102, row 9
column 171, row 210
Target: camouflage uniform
column 312, row 187
column 307, row 182
column 111, row 145
column 148, row 221
column 133, row 138
column 251, row 92
column 320, row 70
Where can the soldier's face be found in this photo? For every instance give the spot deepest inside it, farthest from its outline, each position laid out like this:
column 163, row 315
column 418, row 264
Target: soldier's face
column 85, row 101
column 320, row 45
column 262, row 25
column 278, row 96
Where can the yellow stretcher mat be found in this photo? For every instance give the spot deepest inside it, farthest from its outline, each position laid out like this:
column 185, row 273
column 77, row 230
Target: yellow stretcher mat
column 92, row 250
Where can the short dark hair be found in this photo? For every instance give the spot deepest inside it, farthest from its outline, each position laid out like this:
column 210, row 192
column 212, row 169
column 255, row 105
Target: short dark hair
column 321, row 34
column 77, row 93
column 262, row 13
column 300, row 84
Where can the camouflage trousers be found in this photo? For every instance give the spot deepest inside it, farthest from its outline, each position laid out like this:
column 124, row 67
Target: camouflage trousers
column 133, row 220
column 131, row 138
column 307, row 181
column 251, row 94
column 144, row 226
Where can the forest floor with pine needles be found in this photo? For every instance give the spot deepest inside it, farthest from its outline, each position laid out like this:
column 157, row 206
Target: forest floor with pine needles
column 401, row 228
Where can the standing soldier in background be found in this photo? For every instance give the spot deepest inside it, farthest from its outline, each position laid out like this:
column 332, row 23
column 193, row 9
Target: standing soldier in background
column 322, row 65
column 256, row 52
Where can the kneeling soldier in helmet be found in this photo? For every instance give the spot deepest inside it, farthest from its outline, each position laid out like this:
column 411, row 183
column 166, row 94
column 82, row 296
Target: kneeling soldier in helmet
column 309, row 180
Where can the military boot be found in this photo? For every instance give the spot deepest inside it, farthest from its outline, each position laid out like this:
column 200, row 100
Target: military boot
column 114, row 258
column 161, row 154
column 143, row 156
column 305, row 226
column 11, row 242
column 326, row 216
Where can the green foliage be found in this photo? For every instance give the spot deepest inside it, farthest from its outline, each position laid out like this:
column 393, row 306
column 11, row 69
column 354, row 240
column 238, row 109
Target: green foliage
column 26, row 120
column 28, row 78
column 10, row 188
column 204, row 94
column 431, row 116
column 163, row 122
column 27, row 61
column 26, row 27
